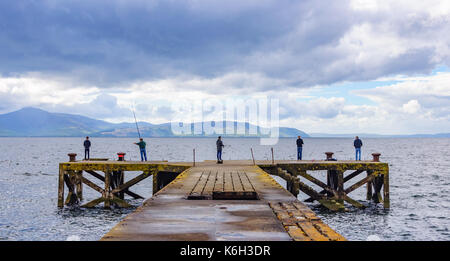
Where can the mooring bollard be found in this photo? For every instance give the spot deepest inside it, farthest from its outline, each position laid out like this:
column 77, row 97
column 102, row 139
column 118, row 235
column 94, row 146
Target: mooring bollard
column 376, row 157
column 378, row 182
column 118, row 176
column 329, row 155
column 273, row 161
column 253, row 158
column 72, row 157
column 332, row 175
column 121, row 156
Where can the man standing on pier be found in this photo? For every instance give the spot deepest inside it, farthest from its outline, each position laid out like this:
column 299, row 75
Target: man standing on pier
column 87, row 146
column 358, row 144
column 219, row 145
column 299, row 148
column 142, row 145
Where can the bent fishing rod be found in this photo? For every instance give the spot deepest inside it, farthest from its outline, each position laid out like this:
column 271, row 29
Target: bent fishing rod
column 137, row 127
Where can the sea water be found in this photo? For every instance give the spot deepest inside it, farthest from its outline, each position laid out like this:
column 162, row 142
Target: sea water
column 419, row 184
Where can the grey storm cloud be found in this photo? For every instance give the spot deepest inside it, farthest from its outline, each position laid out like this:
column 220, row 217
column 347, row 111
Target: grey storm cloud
column 112, row 42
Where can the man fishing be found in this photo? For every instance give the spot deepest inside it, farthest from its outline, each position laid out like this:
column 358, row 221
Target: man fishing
column 142, row 145
column 141, row 142
column 87, row 146
column 357, row 144
column 299, row 148
column 219, row 145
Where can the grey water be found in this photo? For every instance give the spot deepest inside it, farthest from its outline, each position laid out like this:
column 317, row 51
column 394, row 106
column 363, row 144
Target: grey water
column 419, row 178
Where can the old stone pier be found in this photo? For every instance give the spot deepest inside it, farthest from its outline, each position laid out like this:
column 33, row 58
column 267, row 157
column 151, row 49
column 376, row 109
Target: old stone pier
column 237, row 200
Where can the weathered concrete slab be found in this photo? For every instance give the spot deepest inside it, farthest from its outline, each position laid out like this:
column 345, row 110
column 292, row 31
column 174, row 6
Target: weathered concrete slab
column 219, row 184
column 168, row 215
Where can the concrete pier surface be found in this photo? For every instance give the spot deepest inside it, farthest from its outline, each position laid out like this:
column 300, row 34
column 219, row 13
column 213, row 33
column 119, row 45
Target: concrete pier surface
column 234, row 201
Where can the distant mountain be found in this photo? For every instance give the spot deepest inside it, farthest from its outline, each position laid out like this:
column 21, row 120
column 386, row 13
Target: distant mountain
column 348, row 135
column 37, row 122
column 33, row 122
column 165, row 130
column 370, row 135
column 437, row 135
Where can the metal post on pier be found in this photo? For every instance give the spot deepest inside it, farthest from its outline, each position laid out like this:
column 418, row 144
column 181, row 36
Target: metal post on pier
column 273, row 161
column 329, row 155
column 376, row 157
column 121, row 156
column 253, row 158
column 72, row 157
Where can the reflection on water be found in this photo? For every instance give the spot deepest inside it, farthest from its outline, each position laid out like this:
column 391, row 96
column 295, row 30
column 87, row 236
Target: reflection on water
column 419, row 168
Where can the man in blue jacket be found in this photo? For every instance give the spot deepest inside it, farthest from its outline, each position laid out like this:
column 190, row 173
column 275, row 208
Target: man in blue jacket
column 358, row 144
column 299, row 148
column 219, row 145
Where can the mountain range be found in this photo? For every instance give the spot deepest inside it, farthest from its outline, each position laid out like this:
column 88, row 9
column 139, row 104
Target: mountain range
column 371, row 135
column 33, row 122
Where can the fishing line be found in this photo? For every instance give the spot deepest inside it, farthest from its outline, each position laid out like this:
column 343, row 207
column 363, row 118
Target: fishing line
column 137, row 127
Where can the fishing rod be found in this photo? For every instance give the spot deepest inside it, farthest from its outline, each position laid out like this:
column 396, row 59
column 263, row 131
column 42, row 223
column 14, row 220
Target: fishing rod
column 137, row 127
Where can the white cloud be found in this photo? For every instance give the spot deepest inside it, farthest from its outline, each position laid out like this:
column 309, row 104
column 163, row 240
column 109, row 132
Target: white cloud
column 35, row 90
column 433, row 8
column 413, row 104
column 412, row 107
column 432, row 92
column 409, row 105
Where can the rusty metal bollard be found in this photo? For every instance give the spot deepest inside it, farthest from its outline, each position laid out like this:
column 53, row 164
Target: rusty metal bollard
column 332, row 177
column 329, row 155
column 376, row 157
column 72, row 157
column 121, row 156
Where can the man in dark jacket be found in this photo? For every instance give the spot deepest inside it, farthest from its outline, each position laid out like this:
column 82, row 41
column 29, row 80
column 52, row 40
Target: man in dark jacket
column 358, row 144
column 219, row 145
column 87, row 146
column 299, row 148
column 142, row 146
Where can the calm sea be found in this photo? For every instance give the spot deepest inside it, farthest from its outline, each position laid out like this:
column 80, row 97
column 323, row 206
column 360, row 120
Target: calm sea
column 419, row 168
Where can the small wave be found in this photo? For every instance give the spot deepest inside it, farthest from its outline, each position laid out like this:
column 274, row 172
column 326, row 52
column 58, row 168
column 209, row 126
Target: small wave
column 45, row 174
column 27, row 174
column 73, row 238
column 373, row 238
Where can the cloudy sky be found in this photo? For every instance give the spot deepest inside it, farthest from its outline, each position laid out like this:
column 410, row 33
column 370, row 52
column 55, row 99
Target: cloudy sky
column 336, row 66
